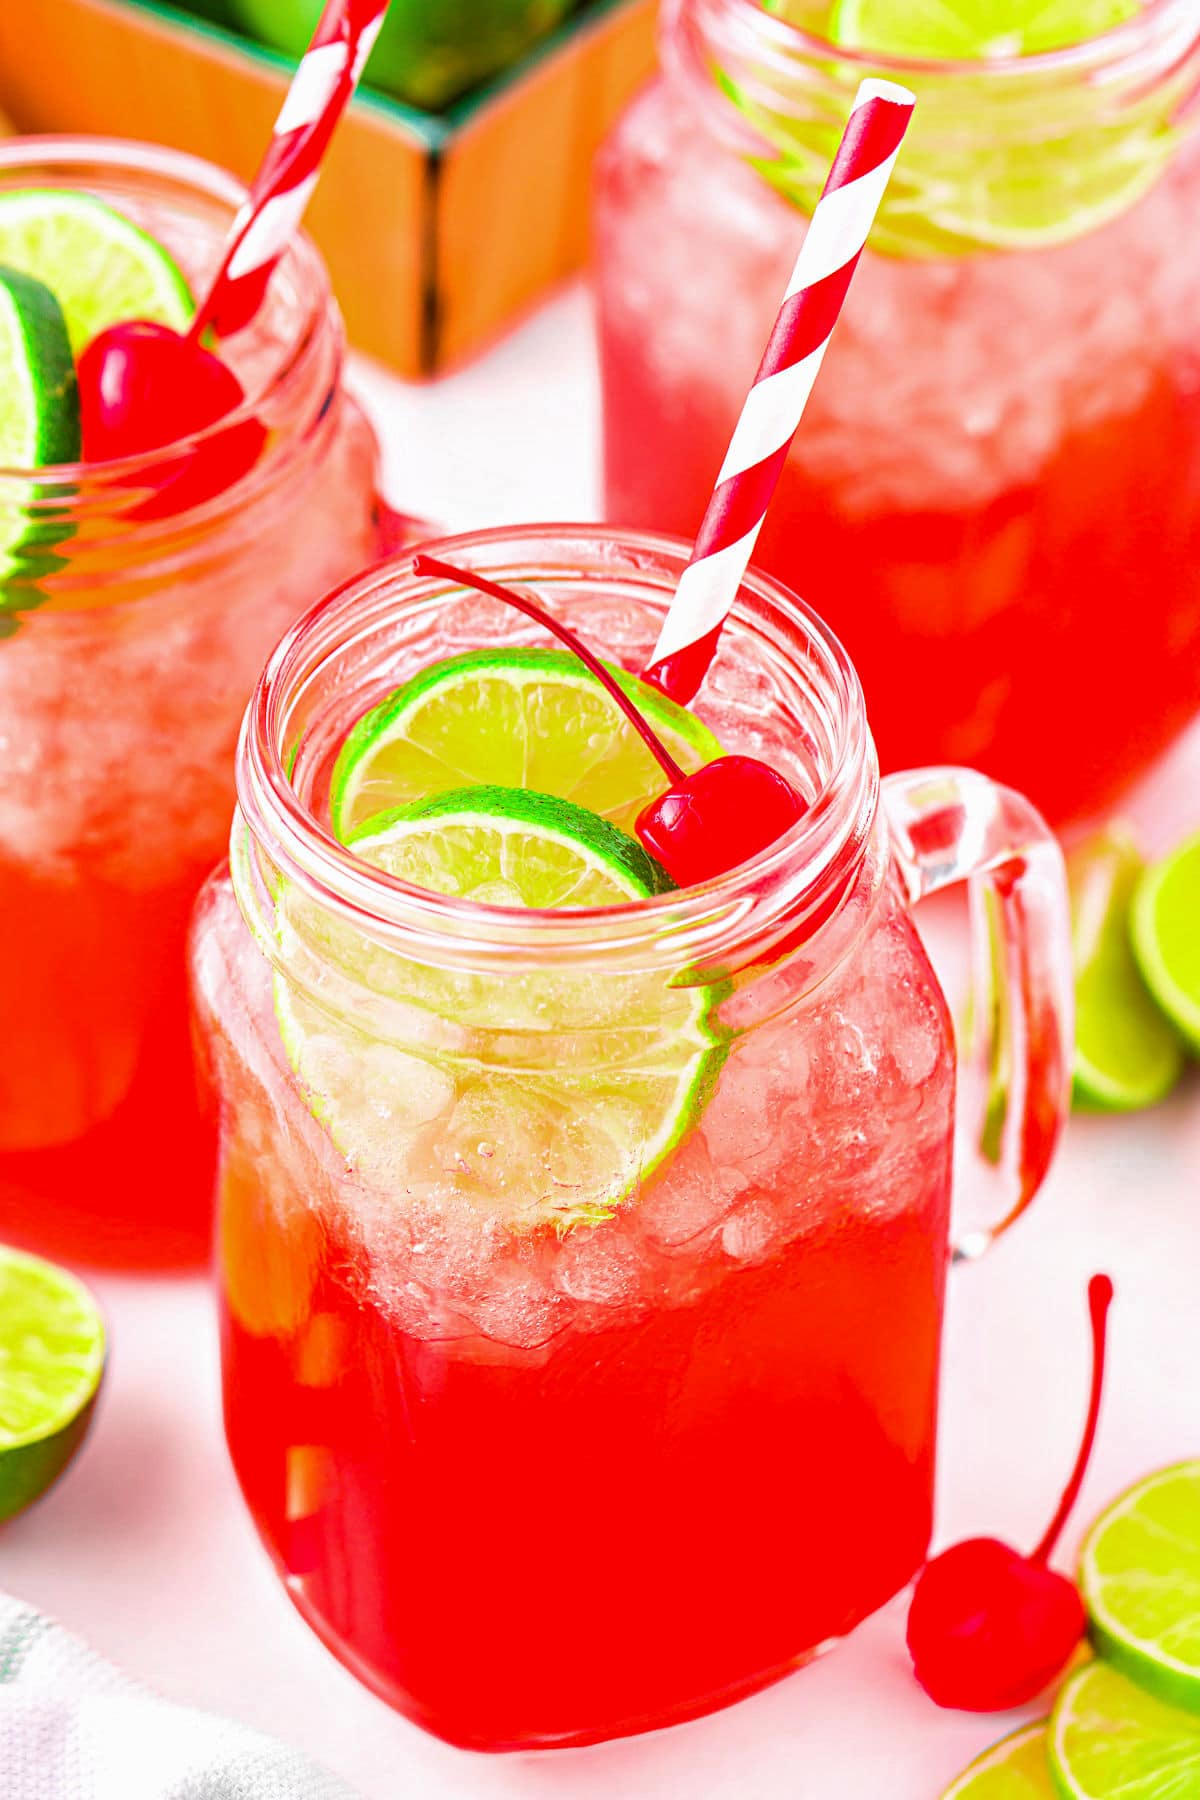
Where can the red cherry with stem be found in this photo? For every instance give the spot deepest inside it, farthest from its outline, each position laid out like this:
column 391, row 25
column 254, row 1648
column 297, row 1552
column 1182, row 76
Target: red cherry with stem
column 705, row 823
column 144, row 387
column 988, row 1628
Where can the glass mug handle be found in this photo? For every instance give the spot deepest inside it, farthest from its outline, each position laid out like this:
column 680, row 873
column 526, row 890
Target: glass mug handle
column 948, row 825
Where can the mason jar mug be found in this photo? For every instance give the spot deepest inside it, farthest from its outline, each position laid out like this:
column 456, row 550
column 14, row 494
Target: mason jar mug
column 132, row 628
column 994, row 497
column 565, row 1254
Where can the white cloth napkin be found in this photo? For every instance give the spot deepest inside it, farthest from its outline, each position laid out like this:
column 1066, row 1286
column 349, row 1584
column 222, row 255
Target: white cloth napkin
column 74, row 1728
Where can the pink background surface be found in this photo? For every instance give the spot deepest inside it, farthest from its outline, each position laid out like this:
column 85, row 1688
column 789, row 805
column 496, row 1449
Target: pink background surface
column 144, row 1547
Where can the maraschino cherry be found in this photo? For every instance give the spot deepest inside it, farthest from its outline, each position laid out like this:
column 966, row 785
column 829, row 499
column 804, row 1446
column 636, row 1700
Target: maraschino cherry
column 705, row 823
column 988, row 1628
column 143, row 386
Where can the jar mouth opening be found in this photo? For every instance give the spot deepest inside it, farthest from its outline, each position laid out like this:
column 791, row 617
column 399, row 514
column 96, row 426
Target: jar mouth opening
column 831, row 835
column 1107, row 49
column 301, row 263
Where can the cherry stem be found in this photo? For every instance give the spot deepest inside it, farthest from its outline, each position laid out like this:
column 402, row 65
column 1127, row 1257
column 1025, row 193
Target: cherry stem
column 432, row 565
column 1100, row 1293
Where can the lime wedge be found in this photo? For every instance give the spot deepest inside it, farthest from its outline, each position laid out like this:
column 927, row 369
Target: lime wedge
column 521, row 718
column 39, row 416
column 1127, row 1055
column 1110, row 1740
column 970, row 29
column 1165, row 930
column 1139, row 1573
column 1014, row 1769
column 545, row 1098
column 39, row 399
column 51, row 1361
column 101, row 267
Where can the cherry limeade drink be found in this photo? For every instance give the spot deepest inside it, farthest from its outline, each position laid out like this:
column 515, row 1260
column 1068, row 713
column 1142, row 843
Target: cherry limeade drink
column 519, row 1399
column 995, row 495
column 123, row 673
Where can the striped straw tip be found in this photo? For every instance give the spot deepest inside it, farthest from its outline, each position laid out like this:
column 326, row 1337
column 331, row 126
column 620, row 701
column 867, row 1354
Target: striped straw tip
column 874, row 89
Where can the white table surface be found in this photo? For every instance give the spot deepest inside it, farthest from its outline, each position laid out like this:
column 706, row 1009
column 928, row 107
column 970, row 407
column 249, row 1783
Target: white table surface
column 144, row 1547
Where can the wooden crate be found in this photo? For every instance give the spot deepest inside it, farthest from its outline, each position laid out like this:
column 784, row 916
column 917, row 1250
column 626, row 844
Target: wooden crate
column 438, row 229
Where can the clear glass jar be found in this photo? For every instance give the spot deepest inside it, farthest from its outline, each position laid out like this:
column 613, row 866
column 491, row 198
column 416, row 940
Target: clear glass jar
column 128, row 647
column 994, row 497
column 506, row 1424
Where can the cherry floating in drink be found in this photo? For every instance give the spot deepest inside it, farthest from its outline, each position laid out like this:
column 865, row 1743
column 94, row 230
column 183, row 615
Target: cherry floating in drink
column 705, row 823
column 143, row 385
column 989, row 1628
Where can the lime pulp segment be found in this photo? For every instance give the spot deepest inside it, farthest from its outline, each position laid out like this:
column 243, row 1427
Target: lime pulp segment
column 542, row 1098
column 1139, row 1574
column 1111, row 1740
column 1127, row 1055
column 52, row 1347
column 519, row 718
column 1014, row 1769
column 101, row 267
column 1165, row 926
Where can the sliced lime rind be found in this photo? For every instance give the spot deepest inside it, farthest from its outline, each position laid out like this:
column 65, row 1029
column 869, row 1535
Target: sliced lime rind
column 52, row 1348
column 1165, row 933
column 1014, row 1769
column 621, row 868
column 39, row 426
column 1109, row 1739
column 101, row 267
column 518, row 718
column 1127, row 1054
column 1051, row 181
column 545, row 1099
column 1139, row 1574
column 39, row 395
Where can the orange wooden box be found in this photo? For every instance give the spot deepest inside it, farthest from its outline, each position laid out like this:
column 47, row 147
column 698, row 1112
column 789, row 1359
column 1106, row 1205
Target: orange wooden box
column 438, row 229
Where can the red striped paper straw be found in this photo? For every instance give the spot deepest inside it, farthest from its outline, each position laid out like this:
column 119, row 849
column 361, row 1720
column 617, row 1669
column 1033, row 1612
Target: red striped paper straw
column 775, row 404
column 325, row 79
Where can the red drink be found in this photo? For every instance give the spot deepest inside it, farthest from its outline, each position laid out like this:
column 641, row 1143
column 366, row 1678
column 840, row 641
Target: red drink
column 512, row 1474
column 995, row 495
column 122, row 678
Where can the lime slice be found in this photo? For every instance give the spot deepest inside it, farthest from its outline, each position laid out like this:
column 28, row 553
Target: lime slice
column 39, row 415
column 101, row 267
column 1126, row 1053
column 1139, row 1574
column 521, row 718
column 1165, row 930
column 51, row 1361
column 545, row 1098
column 970, row 29
column 1013, row 1769
column 957, row 190
column 1110, row 1740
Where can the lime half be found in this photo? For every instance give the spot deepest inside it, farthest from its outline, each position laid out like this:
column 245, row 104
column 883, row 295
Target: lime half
column 1139, row 1574
column 970, row 29
column 1165, row 927
column 51, row 1361
column 101, row 267
column 545, row 1096
column 520, row 718
column 1014, row 1769
column 1127, row 1055
column 39, row 416
column 1110, row 1740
